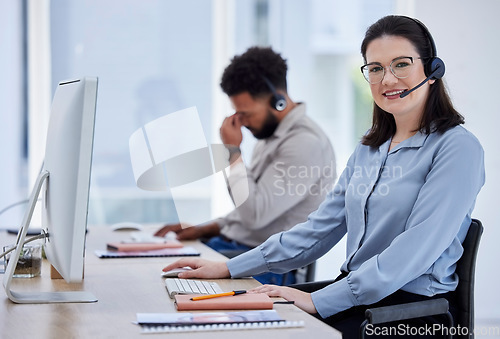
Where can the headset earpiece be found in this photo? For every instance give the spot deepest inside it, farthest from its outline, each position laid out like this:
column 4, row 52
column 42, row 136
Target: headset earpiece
column 436, row 66
column 433, row 67
column 278, row 101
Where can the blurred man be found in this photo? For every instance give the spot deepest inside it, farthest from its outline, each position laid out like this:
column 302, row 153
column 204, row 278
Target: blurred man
column 292, row 167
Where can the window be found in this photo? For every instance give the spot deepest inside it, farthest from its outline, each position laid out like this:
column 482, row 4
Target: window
column 157, row 57
column 152, row 58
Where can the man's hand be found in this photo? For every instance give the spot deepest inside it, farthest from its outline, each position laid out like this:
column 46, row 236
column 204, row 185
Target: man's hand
column 302, row 299
column 168, row 228
column 189, row 232
column 202, row 268
column 230, row 131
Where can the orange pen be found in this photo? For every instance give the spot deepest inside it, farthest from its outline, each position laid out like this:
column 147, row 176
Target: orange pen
column 210, row 296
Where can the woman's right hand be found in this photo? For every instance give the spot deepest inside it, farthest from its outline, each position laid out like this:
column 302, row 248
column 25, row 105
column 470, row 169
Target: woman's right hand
column 202, row 268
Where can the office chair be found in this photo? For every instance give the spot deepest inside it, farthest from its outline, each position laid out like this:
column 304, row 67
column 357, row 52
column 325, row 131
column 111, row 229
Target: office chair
column 464, row 294
column 305, row 274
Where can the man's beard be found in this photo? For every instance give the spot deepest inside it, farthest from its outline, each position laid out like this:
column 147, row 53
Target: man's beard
column 268, row 127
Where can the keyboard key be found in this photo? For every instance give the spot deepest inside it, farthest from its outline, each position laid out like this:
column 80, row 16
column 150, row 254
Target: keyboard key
column 193, row 286
column 185, row 286
column 201, row 287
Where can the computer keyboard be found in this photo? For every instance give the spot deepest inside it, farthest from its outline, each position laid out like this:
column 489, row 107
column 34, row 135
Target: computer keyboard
column 187, row 286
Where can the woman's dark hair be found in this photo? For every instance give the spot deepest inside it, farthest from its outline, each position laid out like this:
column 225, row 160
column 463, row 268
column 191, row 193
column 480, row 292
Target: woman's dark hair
column 247, row 73
column 439, row 113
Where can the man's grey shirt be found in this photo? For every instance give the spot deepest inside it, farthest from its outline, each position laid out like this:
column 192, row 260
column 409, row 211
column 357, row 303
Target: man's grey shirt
column 289, row 176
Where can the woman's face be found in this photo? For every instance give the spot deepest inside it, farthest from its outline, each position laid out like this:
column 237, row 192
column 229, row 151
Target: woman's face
column 384, row 51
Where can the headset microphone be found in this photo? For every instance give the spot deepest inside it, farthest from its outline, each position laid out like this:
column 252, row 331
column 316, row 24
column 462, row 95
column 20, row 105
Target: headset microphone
column 402, row 95
column 433, row 68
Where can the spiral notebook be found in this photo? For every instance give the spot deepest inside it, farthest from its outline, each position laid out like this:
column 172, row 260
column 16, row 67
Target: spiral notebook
column 213, row 321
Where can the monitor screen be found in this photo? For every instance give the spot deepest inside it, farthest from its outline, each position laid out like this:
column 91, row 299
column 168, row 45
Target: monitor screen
column 63, row 186
column 68, row 158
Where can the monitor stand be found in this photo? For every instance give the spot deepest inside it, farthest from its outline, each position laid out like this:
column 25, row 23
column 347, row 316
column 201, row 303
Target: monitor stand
column 37, row 297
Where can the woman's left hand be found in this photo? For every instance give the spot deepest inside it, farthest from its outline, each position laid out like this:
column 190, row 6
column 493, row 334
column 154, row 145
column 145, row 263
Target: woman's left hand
column 302, row 299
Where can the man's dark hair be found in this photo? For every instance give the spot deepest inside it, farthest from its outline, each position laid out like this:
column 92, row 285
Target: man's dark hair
column 247, row 72
column 439, row 114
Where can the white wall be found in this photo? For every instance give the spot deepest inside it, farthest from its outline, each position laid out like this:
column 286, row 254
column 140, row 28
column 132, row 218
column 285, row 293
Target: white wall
column 466, row 35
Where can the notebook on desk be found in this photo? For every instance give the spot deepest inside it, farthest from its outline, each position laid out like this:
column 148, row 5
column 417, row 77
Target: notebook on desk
column 249, row 301
column 185, row 251
column 142, row 246
column 214, row 321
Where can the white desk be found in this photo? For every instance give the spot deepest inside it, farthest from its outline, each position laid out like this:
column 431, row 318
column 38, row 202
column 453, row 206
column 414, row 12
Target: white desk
column 123, row 287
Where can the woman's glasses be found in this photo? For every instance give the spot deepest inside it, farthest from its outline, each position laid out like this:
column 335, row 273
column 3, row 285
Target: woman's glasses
column 401, row 68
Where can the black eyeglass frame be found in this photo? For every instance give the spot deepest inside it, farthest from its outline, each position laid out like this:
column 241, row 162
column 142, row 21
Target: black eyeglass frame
column 390, row 67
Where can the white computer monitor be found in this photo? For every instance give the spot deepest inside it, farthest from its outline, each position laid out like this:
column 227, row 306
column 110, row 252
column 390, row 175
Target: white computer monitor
column 64, row 184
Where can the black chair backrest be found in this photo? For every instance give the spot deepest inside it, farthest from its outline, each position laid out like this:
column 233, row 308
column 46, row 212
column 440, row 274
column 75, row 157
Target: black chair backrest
column 466, row 271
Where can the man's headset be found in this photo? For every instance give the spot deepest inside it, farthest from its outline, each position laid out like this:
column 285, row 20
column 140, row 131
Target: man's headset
column 433, row 68
column 278, row 101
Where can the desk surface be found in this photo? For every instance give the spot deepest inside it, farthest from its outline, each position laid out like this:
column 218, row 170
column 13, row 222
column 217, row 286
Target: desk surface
column 123, row 287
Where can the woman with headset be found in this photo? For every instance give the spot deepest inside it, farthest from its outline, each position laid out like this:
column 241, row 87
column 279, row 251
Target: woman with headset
column 404, row 200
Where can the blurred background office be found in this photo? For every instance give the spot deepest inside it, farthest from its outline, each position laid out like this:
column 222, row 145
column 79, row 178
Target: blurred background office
column 158, row 56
